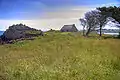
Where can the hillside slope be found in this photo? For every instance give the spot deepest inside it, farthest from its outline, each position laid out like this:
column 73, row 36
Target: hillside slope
column 19, row 31
column 61, row 56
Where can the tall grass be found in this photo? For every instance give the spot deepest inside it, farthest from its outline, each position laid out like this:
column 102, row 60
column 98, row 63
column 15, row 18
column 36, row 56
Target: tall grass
column 61, row 56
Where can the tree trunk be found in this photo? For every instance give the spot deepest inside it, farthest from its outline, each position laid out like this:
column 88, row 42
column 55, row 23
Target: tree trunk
column 88, row 31
column 100, row 30
column 83, row 31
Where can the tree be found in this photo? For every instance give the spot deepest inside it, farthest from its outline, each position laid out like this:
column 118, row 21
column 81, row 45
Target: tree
column 100, row 17
column 91, row 21
column 102, row 20
column 83, row 23
column 113, row 11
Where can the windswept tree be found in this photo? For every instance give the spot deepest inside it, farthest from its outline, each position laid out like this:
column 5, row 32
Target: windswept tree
column 113, row 11
column 97, row 19
column 83, row 23
column 91, row 21
column 102, row 20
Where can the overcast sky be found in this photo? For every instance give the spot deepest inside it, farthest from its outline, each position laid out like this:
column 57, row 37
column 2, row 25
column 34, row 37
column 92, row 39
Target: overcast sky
column 47, row 14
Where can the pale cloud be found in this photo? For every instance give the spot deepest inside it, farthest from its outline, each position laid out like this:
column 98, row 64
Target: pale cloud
column 50, row 20
column 115, row 3
column 53, row 18
column 111, row 4
column 43, row 24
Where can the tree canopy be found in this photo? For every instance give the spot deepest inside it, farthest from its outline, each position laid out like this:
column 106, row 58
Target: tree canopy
column 111, row 11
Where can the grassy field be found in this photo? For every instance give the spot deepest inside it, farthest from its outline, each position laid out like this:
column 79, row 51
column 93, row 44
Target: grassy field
column 61, row 56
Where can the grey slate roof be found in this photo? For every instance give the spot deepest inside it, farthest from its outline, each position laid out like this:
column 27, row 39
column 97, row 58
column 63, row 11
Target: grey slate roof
column 69, row 28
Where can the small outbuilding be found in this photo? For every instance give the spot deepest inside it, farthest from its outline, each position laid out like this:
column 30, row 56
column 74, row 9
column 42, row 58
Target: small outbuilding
column 69, row 28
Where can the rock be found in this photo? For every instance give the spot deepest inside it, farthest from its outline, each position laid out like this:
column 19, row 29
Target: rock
column 19, row 31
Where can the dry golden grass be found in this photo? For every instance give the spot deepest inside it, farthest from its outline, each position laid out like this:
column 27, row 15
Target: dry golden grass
column 61, row 56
